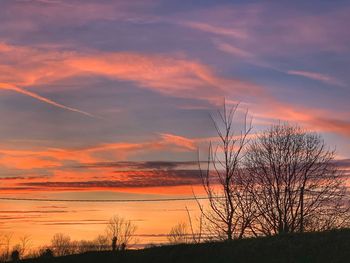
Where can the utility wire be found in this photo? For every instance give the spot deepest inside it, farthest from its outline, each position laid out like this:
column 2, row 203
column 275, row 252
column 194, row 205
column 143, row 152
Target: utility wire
column 130, row 200
column 103, row 200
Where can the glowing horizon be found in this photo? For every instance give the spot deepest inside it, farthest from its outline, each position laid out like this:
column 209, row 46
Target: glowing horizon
column 111, row 99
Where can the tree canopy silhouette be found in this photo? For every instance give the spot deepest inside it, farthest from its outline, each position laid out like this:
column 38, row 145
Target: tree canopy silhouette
column 294, row 182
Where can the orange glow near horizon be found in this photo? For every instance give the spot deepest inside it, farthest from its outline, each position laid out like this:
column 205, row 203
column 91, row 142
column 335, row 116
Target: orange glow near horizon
column 86, row 221
column 115, row 100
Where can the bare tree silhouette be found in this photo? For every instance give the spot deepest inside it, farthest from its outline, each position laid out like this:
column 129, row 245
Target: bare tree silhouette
column 24, row 245
column 5, row 245
column 120, row 231
column 61, row 244
column 226, row 216
column 293, row 182
column 178, row 234
column 101, row 242
column 196, row 229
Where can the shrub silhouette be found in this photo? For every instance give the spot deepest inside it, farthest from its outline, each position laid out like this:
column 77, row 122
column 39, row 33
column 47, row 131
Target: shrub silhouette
column 47, row 253
column 114, row 244
column 122, row 247
column 61, row 244
column 323, row 247
column 15, row 256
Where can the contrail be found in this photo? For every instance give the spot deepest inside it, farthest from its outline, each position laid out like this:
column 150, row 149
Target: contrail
column 7, row 86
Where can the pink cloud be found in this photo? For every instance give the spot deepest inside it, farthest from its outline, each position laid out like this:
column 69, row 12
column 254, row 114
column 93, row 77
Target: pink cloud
column 56, row 157
column 183, row 142
column 217, row 30
column 314, row 119
column 316, row 76
column 230, row 49
column 62, row 169
column 170, row 75
column 288, row 30
column 68, row 12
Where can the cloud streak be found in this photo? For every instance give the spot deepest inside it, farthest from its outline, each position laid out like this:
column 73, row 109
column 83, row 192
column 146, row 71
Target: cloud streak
column 168, row 75
column 51, row 157
column 230, row 49
column 316, row 76
column 141, row 165
column 217, row 30
column 5, row 86
column 116, row 181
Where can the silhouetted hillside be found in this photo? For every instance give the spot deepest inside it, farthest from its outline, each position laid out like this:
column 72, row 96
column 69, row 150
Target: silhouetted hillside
column 327, row 247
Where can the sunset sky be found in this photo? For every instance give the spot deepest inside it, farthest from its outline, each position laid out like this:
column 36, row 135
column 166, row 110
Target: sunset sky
column 111, row 99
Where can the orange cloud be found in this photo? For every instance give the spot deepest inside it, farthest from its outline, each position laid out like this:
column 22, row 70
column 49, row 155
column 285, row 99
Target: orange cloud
column 83, row 169
column 315, row 119
column 172, row 76
column 183, row 142
column 28, row 162
column 52, row 157
column 168, row 75
column 103, row 179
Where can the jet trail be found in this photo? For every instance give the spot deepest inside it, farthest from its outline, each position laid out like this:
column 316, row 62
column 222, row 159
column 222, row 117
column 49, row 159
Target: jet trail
column 6, row 86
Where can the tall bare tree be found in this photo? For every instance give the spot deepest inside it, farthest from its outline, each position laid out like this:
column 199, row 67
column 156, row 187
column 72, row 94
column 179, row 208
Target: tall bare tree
column 120, row 231
column 220, row 178
column 293, row 182
column 196, row 227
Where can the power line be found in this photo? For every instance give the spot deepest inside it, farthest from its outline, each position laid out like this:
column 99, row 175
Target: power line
column 103, row 200
column 131, row 200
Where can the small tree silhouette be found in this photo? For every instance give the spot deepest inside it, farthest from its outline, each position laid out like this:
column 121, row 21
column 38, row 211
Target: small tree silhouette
column 122, row 247
column 178, row 234
column 15, row 256
column 47, row 253
column 114, row 243
column 120, row 231
column 61, row 244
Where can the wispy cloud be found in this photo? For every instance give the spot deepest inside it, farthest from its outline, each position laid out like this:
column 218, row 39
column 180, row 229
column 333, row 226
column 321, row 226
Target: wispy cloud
column 117, row 180
column 167, row 74
column 130, row 179
column 313, row 119
column 217, row 30
column 14, row 88
column 230, row 49
column 183, row 142
column 316, row 76
column 59, row 159
column 140, row 165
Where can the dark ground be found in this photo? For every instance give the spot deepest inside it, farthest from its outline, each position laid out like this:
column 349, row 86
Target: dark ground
column 332, row 247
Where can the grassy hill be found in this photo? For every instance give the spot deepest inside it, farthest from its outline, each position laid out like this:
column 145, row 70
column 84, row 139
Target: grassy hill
column 333, row 246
